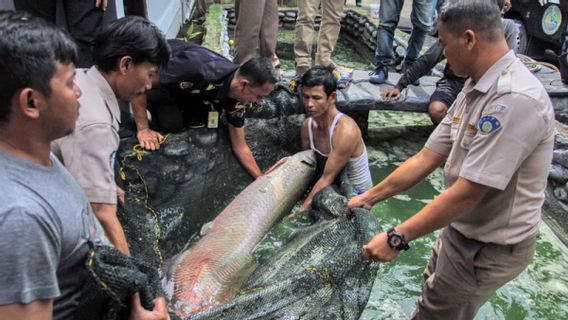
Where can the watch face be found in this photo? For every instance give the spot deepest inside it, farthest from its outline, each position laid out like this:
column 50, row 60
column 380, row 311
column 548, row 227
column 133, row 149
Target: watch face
column 395, row 241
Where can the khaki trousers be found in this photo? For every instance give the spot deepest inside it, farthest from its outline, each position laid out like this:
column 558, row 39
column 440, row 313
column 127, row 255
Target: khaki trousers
column 462, row 274
column 328, row 34
column 257, row 27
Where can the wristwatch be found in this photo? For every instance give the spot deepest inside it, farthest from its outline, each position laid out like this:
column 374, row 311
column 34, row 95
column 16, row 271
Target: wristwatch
column 396, row 240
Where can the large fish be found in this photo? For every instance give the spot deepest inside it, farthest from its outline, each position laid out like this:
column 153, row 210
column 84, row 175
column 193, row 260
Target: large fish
column 213, row 270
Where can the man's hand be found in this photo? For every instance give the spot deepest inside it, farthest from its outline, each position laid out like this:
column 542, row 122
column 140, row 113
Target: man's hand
column 389, row 94
column 379, row 250
column 101, row 4
column 149, row 139
column 138, row 312
column 358, row 202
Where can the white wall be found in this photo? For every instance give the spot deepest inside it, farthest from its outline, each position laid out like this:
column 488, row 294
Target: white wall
column 169, row 15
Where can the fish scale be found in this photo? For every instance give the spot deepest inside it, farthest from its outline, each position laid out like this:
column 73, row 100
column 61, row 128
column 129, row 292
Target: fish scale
column 213, row 270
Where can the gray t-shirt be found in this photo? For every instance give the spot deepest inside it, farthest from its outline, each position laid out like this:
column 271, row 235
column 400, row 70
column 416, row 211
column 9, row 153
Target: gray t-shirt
column 45, row 223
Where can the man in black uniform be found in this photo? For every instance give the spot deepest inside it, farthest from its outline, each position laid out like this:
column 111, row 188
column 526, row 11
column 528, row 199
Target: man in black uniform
column 200, row 86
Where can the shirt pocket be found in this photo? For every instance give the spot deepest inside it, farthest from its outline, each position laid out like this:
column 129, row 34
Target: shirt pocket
column 470, row 132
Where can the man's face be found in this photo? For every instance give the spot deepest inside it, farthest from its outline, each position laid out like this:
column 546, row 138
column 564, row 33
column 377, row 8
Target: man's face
column 62, row 109
column 136, row 79
column 316, row 100
column 455, row 50
column 246, row 93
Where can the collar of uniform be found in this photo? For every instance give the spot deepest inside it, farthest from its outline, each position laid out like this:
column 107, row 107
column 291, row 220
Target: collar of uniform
column 493, row 73
column 225, row 86
column 105, row 90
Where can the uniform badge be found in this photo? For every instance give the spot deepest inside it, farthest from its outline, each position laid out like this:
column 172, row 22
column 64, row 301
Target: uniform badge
column 213, row 119
column 210, row 87
column 185, row 85
column 489, row 124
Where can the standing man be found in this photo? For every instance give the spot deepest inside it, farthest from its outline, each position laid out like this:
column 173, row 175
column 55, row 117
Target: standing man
column 127, row 53
column 389, row 15
column 331, row 134
column 83, row 18
column 331, row 11
column 496, row 142
column 46, row 221
column 201, row 86
column 257, row 27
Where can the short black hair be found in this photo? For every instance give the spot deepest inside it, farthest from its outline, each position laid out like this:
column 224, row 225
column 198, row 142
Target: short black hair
column 320, row 76
column 482, row 16
column 30, row 48
column 258, row 71
column 130, row 36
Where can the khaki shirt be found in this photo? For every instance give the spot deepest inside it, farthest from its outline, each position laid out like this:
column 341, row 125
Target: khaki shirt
column 499, row 133
column 88, row 153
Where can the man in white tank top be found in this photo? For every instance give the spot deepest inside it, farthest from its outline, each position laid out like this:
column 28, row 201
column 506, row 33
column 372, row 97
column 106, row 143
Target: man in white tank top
column 332, row 134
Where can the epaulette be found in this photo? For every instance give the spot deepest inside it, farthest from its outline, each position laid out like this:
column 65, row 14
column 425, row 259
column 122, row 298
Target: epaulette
column 505, row 81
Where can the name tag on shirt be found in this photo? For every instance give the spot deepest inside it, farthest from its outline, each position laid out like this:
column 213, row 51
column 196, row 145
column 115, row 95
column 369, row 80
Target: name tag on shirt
column 213, row 119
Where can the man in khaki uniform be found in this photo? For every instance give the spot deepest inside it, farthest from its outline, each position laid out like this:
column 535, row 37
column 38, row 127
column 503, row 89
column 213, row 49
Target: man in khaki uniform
column 496, row 142
column 127, row 56
column 331, row 11
column 257, row 27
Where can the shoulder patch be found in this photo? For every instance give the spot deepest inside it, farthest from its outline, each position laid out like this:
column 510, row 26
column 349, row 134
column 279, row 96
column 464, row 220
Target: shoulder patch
column 489, row 124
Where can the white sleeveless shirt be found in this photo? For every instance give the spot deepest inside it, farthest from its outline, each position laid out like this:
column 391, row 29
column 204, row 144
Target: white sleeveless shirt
column 357, row 168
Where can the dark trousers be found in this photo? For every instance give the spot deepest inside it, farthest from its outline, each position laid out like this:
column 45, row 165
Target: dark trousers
column 83, row 21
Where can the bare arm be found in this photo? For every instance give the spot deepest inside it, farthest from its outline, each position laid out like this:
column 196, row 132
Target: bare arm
column 106, row 214
column 35, row 310
column 412, row 171
column 304, row 135
column 148, row 138
column 343, row 149
column 450, row 204
column 242, row 151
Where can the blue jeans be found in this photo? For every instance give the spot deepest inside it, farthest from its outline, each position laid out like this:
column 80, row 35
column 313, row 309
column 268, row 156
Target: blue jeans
column 389, row 14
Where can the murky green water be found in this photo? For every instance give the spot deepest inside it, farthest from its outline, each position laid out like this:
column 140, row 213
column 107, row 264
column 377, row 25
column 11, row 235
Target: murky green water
column 540, row 292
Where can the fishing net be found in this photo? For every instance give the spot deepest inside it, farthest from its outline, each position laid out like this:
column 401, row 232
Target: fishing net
column 317, row 274
column 172, row 192
column 113, row 279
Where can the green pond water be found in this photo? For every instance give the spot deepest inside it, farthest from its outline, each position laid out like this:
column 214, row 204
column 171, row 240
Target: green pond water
column 540, row 292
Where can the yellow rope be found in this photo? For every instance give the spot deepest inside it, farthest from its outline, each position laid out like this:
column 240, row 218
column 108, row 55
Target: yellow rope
column 102, row 284
column 138, row 152
column 535, row 66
